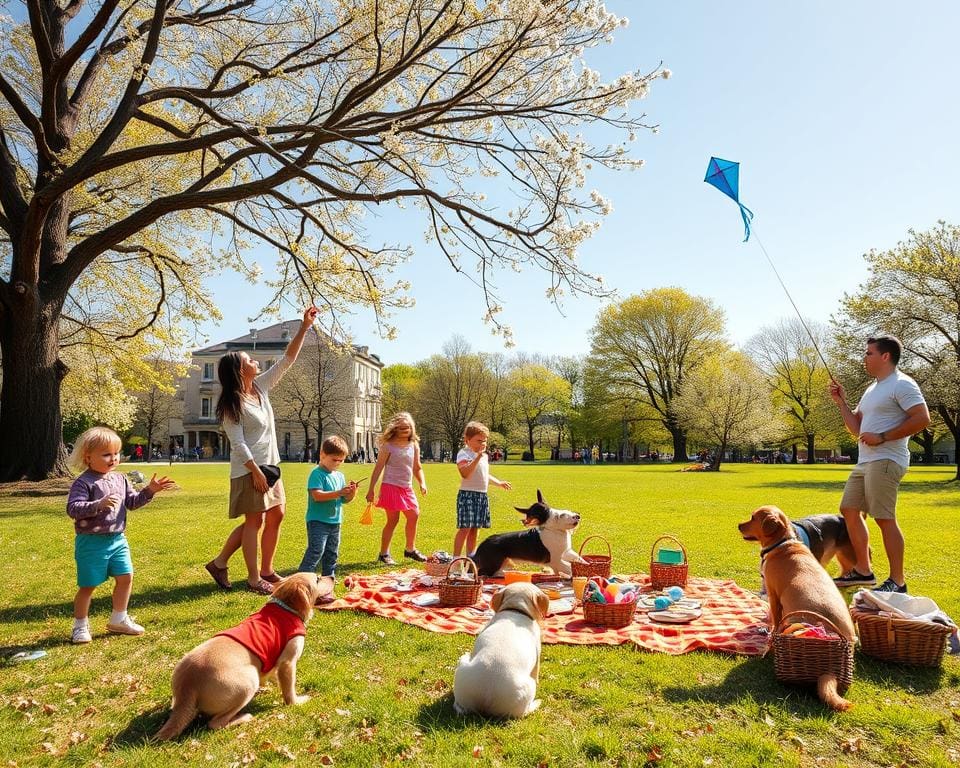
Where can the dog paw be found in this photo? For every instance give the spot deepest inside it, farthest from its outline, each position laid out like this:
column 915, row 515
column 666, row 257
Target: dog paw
column 534, row 706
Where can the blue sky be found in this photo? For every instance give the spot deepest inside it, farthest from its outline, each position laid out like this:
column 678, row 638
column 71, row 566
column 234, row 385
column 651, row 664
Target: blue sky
column 842, row 115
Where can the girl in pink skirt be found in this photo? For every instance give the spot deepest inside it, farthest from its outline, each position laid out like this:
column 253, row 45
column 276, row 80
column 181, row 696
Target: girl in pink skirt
column 399, row 462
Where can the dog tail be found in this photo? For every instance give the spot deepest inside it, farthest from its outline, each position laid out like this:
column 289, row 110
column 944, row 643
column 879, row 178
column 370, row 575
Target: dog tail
column 181, row 714
column 827, row 691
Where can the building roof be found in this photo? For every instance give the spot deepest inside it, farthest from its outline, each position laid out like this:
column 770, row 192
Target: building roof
column 274, row 338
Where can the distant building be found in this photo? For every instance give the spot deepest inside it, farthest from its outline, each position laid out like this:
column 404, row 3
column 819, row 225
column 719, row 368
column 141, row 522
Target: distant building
column 357, row 406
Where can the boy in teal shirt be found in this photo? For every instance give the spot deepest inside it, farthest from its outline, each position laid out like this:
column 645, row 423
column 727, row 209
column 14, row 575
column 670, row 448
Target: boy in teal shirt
column 327, row 490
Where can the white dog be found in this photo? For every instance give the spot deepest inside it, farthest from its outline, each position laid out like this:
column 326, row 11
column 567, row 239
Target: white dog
column 546, row 540
column 500, row 677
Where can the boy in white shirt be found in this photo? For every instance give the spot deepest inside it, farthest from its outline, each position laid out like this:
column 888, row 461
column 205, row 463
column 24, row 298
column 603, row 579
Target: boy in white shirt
column 473, row 506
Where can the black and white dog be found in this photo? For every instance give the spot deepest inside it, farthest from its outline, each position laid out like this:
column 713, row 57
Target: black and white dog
column 546, row 540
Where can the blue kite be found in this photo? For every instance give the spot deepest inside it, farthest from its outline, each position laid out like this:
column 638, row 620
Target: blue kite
column 725, row 176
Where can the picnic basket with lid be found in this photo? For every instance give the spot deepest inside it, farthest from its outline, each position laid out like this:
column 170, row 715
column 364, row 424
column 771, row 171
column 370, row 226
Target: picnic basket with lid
column 459, row 588
column 902, row 641
column 596, row 565
column 804, row 659
column 665, row 574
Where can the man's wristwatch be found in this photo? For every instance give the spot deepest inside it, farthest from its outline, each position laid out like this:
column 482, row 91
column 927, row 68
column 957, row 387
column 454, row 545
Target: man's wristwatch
column 883, row 437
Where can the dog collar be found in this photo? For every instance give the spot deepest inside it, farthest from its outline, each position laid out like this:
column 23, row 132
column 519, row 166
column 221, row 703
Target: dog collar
column 517, row 610
column 278, row 601
column 767, row 550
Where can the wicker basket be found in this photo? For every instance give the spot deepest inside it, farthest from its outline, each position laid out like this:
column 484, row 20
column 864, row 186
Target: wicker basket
column 437, row 570
column 456, row 592
column 668, row 574
column 596, row 565
column 902, row 641
column 613, row 615
column 805, row 659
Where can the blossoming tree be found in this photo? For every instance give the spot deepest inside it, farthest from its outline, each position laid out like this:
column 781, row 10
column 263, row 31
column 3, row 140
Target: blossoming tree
column 144, row 145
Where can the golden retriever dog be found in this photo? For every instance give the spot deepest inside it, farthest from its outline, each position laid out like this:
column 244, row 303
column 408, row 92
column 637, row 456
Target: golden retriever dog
column 500, row 677
column 797, row 582
column 219, row 677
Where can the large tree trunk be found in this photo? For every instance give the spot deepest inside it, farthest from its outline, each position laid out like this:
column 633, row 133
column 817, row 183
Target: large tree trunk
column 32, row 447
column 811, row 456
column 953, row 424
column 679, row 444
column 530, row 428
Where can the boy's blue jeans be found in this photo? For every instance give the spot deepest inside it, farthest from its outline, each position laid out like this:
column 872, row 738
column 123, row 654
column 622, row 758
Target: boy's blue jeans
column 323, row 547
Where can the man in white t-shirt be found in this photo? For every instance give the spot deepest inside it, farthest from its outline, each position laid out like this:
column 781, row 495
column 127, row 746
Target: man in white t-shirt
column 891, row 410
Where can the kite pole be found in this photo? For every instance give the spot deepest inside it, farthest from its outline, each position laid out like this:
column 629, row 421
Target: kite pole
column 725, row 176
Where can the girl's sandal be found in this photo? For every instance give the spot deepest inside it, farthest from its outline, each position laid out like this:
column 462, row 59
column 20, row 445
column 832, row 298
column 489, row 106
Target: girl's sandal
column 273, row 578
column 261, row 587
column 219, row 575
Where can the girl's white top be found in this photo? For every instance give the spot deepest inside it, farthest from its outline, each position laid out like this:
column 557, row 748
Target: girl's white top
column 399, row 469
column 255, row 437
column 479, row 479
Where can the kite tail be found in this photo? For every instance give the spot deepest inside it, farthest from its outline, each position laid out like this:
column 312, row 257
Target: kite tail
column 747, row 215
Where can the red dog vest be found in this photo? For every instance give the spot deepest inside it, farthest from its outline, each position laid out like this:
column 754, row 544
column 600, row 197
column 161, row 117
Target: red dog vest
column 266, row 633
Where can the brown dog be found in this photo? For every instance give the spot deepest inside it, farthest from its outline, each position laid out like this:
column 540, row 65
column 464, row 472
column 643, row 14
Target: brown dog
column 797, row 582
column 220, row 676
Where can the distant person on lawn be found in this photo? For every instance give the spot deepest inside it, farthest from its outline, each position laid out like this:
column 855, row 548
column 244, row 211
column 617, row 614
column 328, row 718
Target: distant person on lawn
column 98, row 503
column 246, row 414
column 891, row 410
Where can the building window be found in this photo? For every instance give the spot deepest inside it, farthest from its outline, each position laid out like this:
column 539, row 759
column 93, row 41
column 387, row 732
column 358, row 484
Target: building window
column 208, row 371
column 205, row 408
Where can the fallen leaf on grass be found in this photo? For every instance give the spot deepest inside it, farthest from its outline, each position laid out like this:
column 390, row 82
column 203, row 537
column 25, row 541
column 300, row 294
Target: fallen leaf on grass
column 477, row 751
column 850, row 746
column 75, row 691
column 76, row 737
column 326, row 760
column 654, row 756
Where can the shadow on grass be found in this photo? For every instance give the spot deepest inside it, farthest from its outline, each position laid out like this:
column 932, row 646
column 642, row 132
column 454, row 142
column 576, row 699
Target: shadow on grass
column 142, row 727
column 753, row 680
column 890, row 675
column 440, row 717
column 152, row 595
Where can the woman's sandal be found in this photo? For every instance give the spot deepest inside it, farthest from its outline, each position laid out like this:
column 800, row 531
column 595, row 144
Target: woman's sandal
column 273, row 578
column 386, row 560
column 219, row 575
column 261, row 587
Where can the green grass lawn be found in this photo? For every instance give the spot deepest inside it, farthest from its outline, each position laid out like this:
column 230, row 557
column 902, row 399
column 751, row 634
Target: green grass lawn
column 382, row 690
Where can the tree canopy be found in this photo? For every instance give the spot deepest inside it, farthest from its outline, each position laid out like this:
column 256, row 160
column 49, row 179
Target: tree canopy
column 145, row 145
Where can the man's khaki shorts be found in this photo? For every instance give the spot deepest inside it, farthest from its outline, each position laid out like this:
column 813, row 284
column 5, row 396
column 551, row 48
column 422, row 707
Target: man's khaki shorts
column 872, row 488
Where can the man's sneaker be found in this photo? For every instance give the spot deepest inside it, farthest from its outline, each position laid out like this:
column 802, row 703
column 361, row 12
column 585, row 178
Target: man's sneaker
column 853, row 578
column 126, row 627
column 415, row 554
column 81, row 635
column 891, row 586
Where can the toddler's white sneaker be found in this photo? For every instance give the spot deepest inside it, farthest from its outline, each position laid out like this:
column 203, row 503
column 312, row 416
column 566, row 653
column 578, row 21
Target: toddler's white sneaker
column 126, row 626
column 81, row 634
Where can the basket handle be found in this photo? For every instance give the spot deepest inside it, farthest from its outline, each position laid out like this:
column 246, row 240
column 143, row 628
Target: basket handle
column 476, row 573
column 783, row 622
column 653, row 549
column 596, row 536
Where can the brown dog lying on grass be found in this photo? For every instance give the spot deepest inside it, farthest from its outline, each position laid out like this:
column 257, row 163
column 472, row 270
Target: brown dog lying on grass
column 797, row 582
column 219, row 677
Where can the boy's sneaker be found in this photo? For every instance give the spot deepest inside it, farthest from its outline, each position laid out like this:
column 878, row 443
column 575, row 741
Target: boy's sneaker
column 853, row 578
column 126, row 627
column 891, row 586
column 81, row 635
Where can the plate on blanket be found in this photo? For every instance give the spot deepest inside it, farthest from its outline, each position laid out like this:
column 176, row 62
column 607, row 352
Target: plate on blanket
column 676, row 615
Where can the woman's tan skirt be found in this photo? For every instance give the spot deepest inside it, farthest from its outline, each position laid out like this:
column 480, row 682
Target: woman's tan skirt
column 244, row 498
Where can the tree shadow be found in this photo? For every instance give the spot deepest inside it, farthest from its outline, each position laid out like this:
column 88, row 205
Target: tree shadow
column 440, row 717
column 21, row 614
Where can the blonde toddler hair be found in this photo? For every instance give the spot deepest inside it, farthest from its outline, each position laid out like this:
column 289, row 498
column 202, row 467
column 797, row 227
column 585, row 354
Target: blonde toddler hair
column 475, row 428
column 390, row 431
column 94, row 439
column 334, row 446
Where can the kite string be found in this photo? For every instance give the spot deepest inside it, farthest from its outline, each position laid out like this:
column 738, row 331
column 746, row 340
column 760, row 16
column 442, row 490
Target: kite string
column 792, row 302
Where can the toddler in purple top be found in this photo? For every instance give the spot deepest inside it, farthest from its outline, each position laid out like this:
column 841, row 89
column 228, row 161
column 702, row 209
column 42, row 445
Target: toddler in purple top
column 98, row 503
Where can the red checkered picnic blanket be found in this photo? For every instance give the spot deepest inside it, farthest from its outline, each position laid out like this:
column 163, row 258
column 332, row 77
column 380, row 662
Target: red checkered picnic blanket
column 733, row 621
